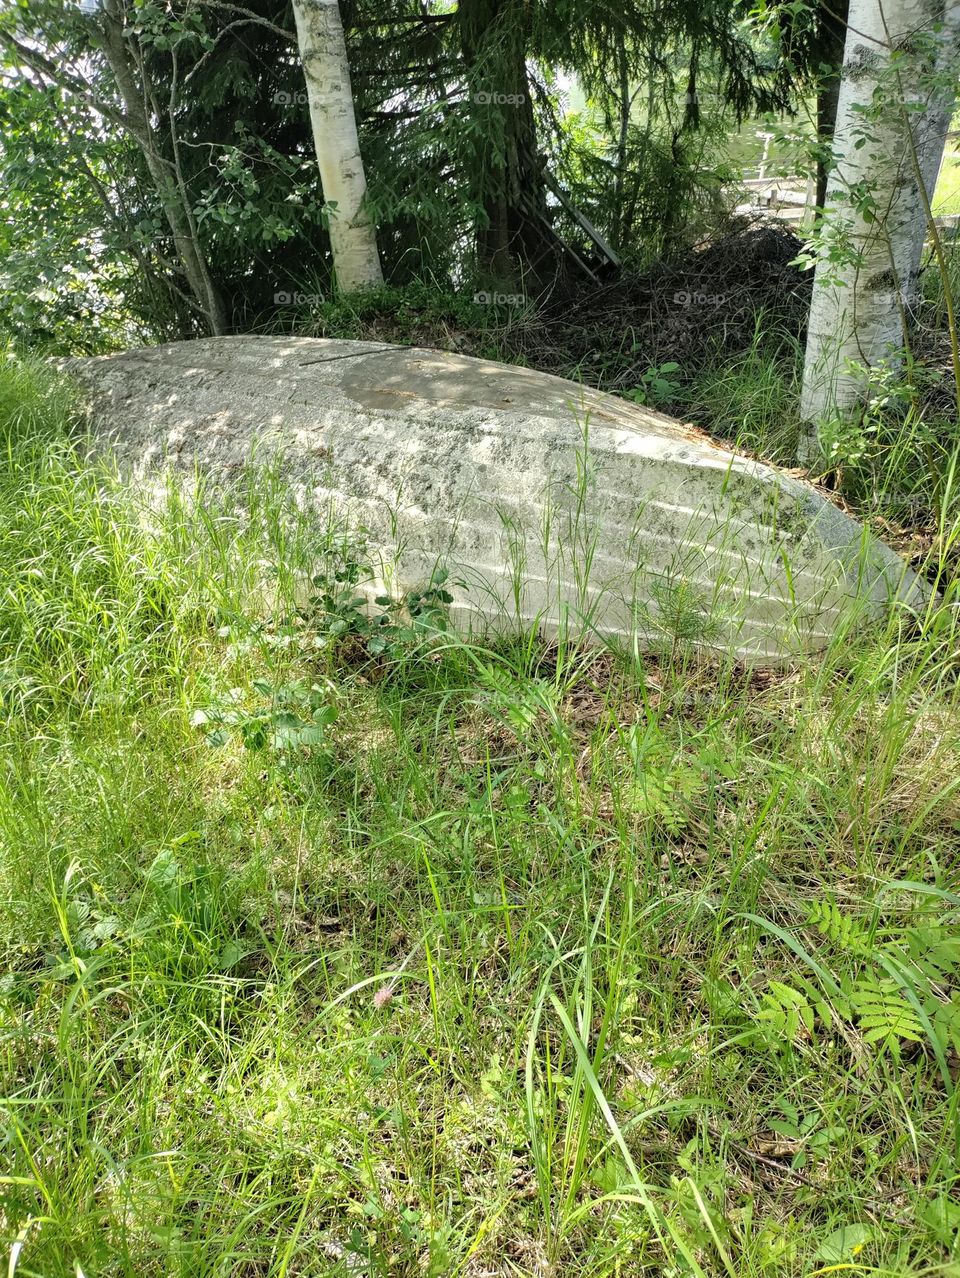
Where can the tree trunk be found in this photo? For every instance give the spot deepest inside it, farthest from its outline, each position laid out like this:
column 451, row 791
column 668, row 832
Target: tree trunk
column 323, row 52
column 173, row 199
column 506, row 172
column 832, row 20
column 624, row 103
column 888, row 157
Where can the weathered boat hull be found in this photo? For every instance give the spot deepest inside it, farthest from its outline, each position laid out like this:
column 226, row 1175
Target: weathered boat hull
column 554, row 505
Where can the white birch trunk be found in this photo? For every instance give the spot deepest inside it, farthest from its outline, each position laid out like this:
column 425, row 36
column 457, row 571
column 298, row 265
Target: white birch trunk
column 857, row 305
column 323, row 53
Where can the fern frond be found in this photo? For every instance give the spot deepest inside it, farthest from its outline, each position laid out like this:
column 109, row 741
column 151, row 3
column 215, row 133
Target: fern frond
column 946, row 1023
column 840, row 928
column 884, row 1016
column 935, row 952
column 785, row 1010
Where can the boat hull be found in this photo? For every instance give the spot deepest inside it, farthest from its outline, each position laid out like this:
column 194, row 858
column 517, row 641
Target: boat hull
column 547, row 504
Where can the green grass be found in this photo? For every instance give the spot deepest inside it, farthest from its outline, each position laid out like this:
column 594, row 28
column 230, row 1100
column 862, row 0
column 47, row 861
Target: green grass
column 752, row 396
column 529, row 961
column 946, row 199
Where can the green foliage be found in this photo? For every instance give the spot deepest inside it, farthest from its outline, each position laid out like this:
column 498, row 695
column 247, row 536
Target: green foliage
column 751, row 396
column 455, row 108
column 419, row 313
column 784, row 1011
column 288, row 716
column 385, row 625
column 896, row 460
column 898, row 453
column 659, row 186
column 657, row 386
column 842, row 929
column 899, row 991
column 519, row 702
column 37, row 408
column 683, row 614
column 883, row 1015
column 70, row 279
column 667, row 783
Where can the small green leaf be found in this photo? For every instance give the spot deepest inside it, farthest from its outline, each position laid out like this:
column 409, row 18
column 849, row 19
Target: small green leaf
column 311, row 734
column 845, row 1243
column 230, row 955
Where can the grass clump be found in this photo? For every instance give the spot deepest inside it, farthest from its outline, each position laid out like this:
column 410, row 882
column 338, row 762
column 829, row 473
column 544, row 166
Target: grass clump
column 752, row 397
column 323, row 956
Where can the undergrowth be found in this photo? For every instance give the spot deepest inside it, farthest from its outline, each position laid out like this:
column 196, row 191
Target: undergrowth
column 340, row 947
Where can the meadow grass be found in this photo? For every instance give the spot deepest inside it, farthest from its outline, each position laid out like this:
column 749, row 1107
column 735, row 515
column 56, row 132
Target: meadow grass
column 450, row 958
column 946, row 200
column 753, row 395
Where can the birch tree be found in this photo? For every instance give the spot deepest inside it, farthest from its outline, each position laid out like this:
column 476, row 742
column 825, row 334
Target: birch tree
column 323, row 53
column 896, row 99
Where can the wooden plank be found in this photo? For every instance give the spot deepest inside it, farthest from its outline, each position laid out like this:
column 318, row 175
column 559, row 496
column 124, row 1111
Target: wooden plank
column 581, row 219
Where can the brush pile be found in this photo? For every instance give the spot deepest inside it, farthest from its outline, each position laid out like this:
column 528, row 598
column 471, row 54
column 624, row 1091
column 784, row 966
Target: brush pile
column 684, row 313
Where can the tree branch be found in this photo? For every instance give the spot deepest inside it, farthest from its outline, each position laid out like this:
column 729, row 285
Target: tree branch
column 67, row 80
